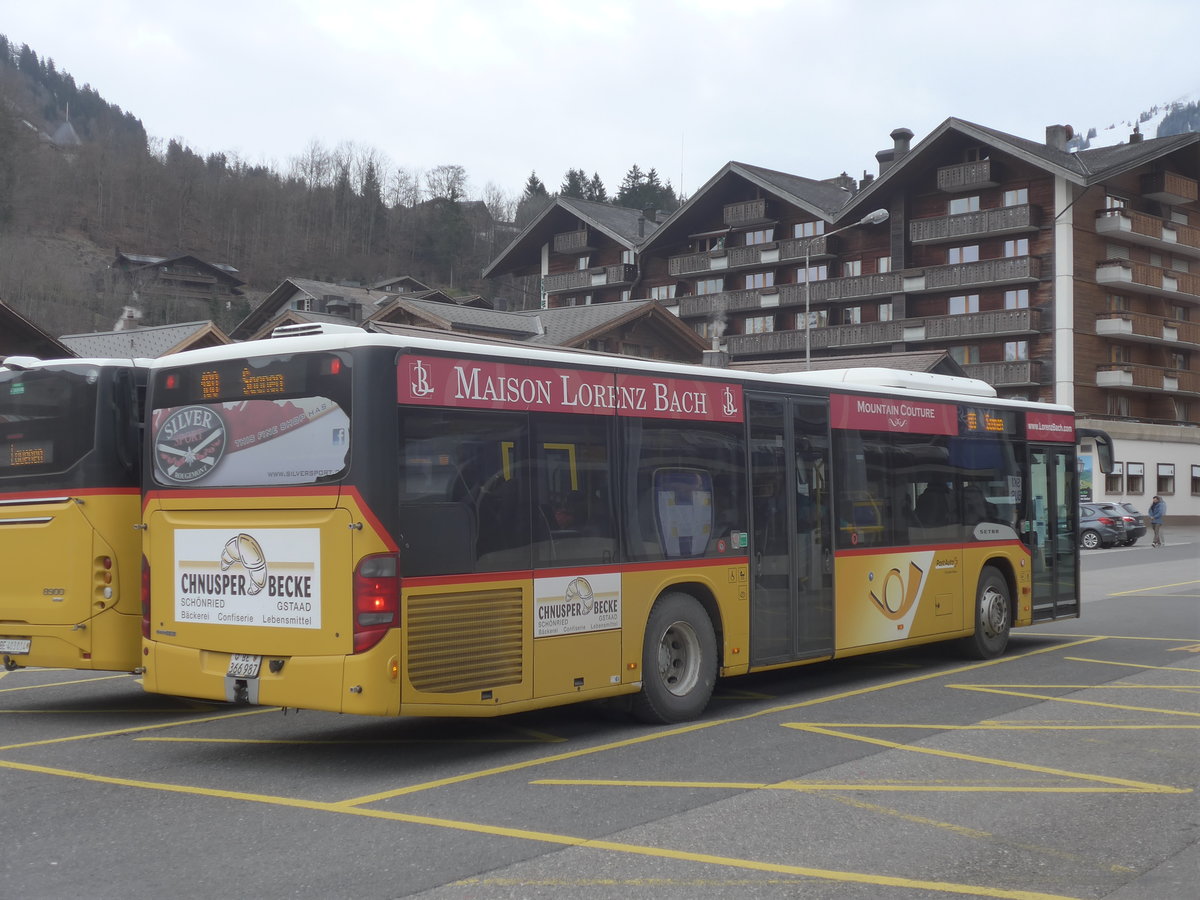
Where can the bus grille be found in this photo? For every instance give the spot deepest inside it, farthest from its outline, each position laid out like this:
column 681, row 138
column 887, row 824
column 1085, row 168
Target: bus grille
column 464, row 641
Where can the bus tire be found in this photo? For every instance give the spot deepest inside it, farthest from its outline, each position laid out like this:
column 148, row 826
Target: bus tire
column 993, row 616
column 679, row 661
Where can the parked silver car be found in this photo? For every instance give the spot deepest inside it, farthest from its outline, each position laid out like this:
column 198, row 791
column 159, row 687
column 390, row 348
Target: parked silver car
column 1100, row 527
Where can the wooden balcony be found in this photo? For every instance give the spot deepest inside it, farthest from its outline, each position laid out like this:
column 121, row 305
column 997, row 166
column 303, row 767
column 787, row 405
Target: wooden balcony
column 1169, row 187
column 1022, row 373
column 984, row 273
column 1148, row 379
column 1149, row 231
column 970, row 325
column 970, row 176
column 831, row 337
column 577, row 241
column 585, row 279
column 1147, row 279
column 984, row 223
column 759, row 255
column 748, row 212
column 1141, row 328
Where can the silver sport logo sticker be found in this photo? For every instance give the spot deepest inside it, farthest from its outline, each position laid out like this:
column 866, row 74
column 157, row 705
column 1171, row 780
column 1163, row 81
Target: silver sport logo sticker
column 268, row 577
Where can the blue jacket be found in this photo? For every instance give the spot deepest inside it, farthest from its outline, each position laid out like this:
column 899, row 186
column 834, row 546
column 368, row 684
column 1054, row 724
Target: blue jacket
column 1157, row 510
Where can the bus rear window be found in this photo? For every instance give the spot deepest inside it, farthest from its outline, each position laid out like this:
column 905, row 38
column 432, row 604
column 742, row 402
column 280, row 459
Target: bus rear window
column 47, row 420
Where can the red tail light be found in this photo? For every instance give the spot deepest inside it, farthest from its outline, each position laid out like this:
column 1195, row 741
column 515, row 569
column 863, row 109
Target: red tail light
column 145, row 597
column 1105, row 520
column 376, row 599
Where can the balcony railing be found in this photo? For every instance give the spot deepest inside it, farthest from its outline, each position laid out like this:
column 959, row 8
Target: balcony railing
column 577, row 241
column 983, row 223
column 1148, row 378
column 1148, row 329
column 831, row 337
column 583, row 279
column 1170, row 187
column 747, row 212
column 1149, row 279
column 1007, row 374
column 1149, row 231
column 983, row 324
column 1007, row 270
column 746, row 257
column 968, row 176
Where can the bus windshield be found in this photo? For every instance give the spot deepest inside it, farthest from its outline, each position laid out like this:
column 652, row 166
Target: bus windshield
column 41, row 413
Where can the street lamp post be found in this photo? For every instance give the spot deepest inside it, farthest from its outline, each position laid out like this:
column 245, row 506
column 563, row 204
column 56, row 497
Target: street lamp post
column 871, row 218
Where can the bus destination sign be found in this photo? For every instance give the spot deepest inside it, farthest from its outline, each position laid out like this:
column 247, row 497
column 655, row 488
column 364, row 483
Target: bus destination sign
column 482, row 384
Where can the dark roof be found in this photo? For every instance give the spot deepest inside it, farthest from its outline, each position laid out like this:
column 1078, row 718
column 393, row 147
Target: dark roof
column 20, row 337
column 451, row 317
column 628, row 227
column 136, row 261
column 278, row 300
column 146, row 343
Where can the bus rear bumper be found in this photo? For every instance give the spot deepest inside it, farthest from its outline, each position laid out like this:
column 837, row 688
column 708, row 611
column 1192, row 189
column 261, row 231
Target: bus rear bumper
column 107, row 643
column 363, row 684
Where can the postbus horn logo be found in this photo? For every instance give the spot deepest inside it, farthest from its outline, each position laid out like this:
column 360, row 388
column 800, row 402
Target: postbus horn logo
column 245, row 551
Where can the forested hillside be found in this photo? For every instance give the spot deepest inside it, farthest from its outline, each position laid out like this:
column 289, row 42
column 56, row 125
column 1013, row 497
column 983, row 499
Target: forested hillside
column 79, row 178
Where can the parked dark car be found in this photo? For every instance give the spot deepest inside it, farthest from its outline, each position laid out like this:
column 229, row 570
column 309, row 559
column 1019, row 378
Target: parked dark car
column 1135, row 523
column 1099, row 527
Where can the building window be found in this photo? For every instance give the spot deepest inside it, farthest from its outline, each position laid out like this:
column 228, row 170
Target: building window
column 852, row 315
column 1118, row 353
column 759, row 236
column 1016, row 197
column 1114, row 481
column 1196, row 481
column 1166, row 478
column 1113, row 204
column 662, row 292
column 707, row 329
column 1178, row 313
column 956, row 255
column 883, row 264
column 1016, row 351
column 1018, row 299
column 817, row 318
column 808, row 229
column 587, row 299
column 851, row 267
column 1177, row 360
column 1116, row 251
column 582, row 262
column 629, row 257
column 758, row 324
column 1119, row 405
column 1117, row 303
column 959, row 205
column 1135, row 478
column 967, row 303
column 885, row 311
column 626, row 294
column 1182, row 409
column 1016, row 247
column 709, row 286
column 759, row 280
column 634, row 350
column 815, row 273
column 965, row 354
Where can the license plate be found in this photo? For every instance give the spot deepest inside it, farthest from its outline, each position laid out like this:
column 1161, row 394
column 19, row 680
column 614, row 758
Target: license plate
column 14, row 645
column 244, row 665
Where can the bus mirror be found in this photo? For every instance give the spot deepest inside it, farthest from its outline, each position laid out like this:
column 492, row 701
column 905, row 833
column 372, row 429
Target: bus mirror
column 1104, row 447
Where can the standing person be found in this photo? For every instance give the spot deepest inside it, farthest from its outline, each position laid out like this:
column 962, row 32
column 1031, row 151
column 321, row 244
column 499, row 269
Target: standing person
column 1157, row 510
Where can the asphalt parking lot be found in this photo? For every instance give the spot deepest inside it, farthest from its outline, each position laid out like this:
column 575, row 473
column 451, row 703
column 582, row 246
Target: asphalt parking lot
column 1066, row 768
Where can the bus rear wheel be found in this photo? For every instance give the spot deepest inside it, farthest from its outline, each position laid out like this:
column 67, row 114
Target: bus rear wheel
column 679, row 661
column 993, row 616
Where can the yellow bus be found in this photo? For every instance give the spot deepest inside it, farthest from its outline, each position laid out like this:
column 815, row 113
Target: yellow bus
column 70, row 498
column 390, row 525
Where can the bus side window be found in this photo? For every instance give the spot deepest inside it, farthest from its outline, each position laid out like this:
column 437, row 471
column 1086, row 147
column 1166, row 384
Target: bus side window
column 573, row 520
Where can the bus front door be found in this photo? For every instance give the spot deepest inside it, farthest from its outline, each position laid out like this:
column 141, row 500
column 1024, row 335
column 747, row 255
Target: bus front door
column 1050, row 532
column 791, row 554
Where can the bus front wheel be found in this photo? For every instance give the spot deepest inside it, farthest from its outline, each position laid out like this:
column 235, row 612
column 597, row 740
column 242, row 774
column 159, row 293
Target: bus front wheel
column 679, row 661
column 993, row 616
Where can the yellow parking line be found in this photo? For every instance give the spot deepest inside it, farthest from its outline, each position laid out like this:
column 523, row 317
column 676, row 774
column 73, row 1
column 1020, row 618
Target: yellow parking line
column 1139, row 786
column 34, row 687
column 886, row 786
column 560, row 839
column 1157, row 587
column 136, row 728
column 1146, row 709
column 352, row 743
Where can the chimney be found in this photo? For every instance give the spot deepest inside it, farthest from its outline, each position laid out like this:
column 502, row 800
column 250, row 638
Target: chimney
column 901, row 138
column 1058, row 136
column 651, row 214
column 1136, row 137
column 641, row 226
column 867, row 178
column 886, row 159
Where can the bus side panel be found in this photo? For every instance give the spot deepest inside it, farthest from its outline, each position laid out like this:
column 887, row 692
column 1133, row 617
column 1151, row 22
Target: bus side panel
column 890, row 597
column 77, row 609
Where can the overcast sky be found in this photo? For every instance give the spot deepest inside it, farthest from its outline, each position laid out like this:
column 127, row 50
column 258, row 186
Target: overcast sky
column 505, row 87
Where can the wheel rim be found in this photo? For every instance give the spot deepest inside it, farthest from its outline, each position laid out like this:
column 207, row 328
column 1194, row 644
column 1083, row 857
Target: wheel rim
column 679, row 659
column 1090, row 540
column 993, row 612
